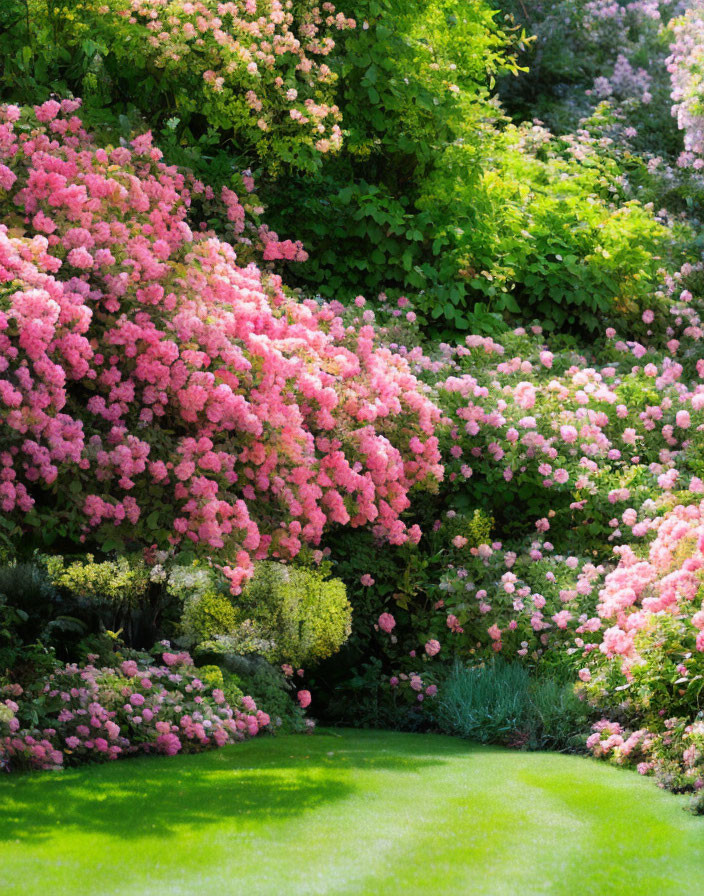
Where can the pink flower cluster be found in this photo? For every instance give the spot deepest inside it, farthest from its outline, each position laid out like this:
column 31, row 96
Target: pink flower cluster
column 667, row 581
column 177, row 391
column 259, row 61
column 686, row 69
column 674, row 755
column 518, row 603
column 93, row 714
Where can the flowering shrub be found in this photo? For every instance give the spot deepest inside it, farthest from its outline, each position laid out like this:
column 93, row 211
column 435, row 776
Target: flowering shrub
column 243, row 671
column 647, row 674
column 586, row 51
column 569, row 458
column 151, row 386
column 674, row 754
column 686, row 69
column 653, row 613
column 81, row 714
column 257, row 71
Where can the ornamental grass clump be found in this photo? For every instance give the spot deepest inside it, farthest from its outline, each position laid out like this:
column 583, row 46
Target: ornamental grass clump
column 501, row 702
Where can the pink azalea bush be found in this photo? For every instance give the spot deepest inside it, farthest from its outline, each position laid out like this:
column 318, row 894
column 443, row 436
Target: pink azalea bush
column 647, row 672
column 86, row 713
column 184, row 398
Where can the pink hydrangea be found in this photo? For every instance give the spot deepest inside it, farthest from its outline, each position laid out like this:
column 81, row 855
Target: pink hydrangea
column 304, row 699
column 432, row 647
column 387, row 622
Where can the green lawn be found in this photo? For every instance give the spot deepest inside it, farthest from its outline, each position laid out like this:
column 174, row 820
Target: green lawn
column 347, row 812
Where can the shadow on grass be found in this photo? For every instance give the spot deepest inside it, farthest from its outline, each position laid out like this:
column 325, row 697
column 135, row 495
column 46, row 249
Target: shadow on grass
column 262, row 780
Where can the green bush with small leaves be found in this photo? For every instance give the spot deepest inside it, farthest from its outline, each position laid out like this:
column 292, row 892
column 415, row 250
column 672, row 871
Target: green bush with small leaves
column 207, row 615
column 119, row 582
column 307, row 616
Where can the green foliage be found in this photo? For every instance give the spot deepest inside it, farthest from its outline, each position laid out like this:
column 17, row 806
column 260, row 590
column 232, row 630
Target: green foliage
column 307, row 617
column 475, row 528
column 286, row 613
column 19, row 659
column 501, row 703
column 94, row 600
column 212, row 675
column 413, row 80
column 486, row 703
column 433, row 194
column 207, row 615
column 119, row 582
column 554, row 238
column 31, row 616
column 558, row 719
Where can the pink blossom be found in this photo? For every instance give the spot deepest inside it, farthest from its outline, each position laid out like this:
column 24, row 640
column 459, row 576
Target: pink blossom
column 387, row 622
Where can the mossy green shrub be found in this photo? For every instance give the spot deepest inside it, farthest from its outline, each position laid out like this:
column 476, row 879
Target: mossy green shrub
column 212, row 675
column 206, row 606
column 286, row 614
column 307, row 616
column 207, row 615
column 120, row 582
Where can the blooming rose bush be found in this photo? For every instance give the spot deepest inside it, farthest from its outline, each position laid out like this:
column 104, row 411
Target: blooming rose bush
column 84, row 713
column 151, row 386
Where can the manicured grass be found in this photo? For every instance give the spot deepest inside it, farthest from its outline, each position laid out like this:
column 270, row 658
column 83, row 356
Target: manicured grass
column 347, row 812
